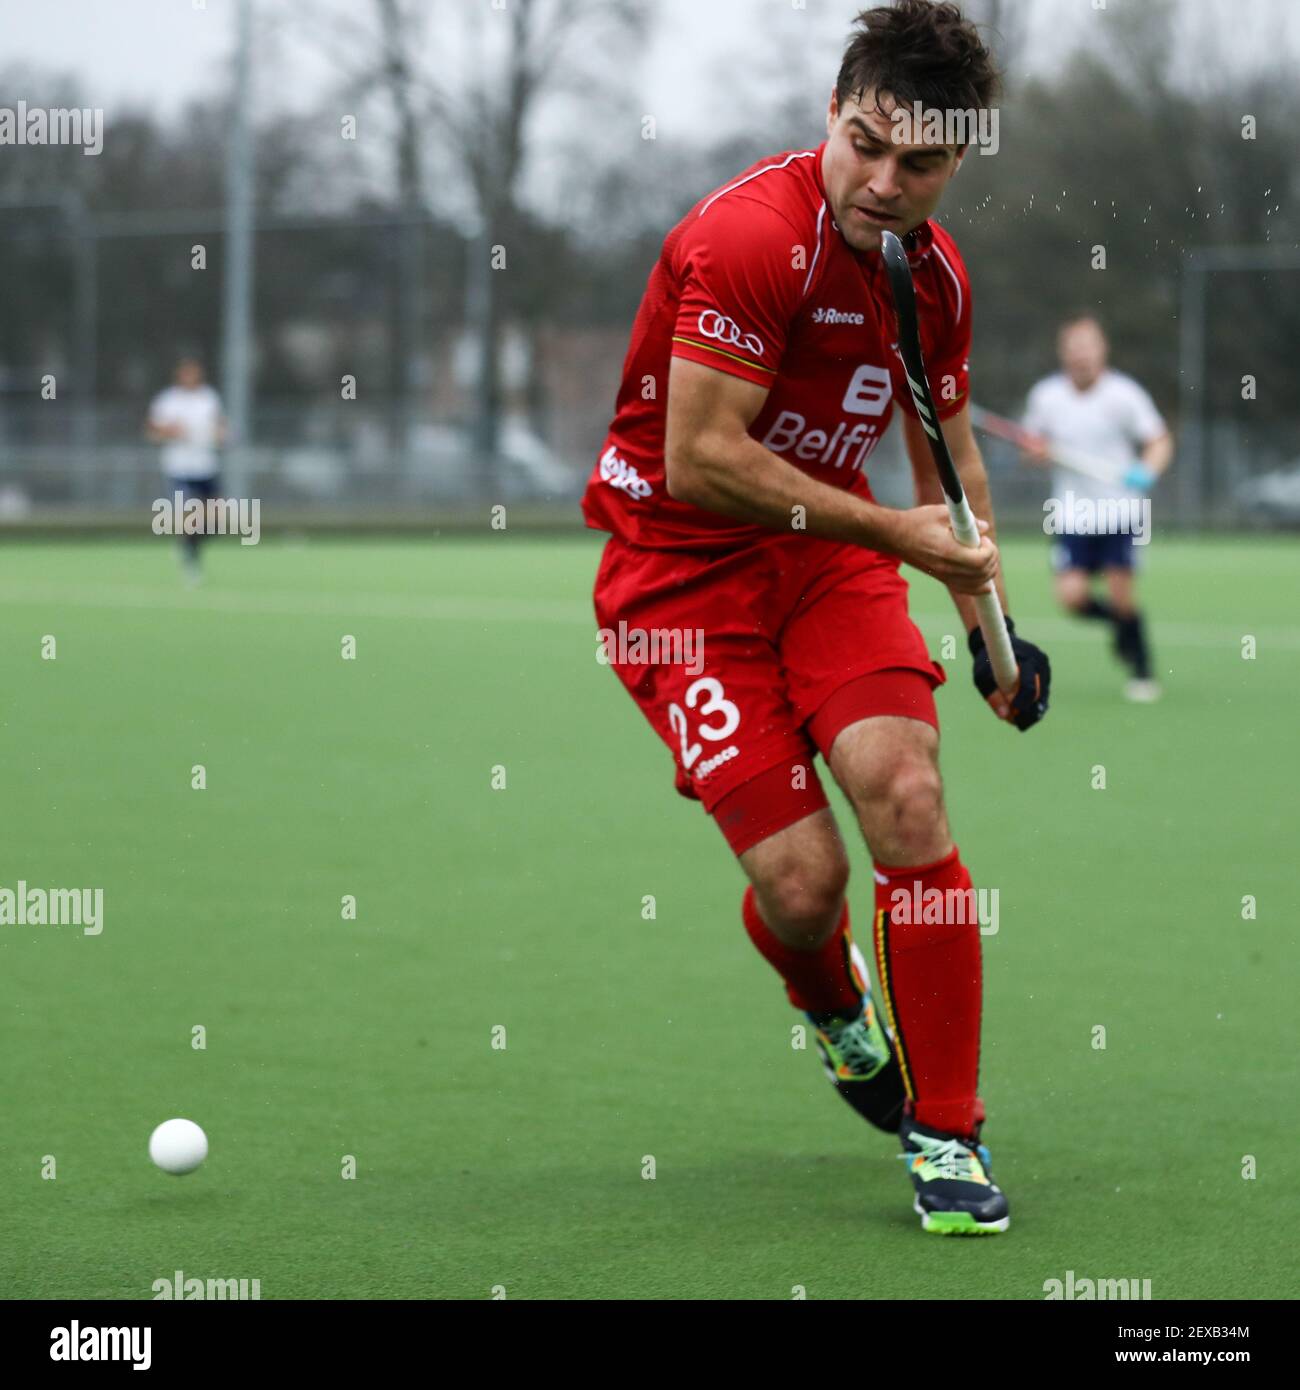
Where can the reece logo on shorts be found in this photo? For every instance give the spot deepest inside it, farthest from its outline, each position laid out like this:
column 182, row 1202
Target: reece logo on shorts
column 709, row 765
column 619, row 473
column 725, row 330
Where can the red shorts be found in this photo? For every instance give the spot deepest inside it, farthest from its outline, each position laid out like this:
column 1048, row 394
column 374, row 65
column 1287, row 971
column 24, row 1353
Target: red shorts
column 748, row 662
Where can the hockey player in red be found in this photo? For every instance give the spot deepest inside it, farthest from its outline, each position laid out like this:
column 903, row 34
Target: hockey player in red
column 762, row 372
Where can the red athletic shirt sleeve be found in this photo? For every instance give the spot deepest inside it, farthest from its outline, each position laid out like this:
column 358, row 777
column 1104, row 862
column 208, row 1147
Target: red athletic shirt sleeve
column 744, row 273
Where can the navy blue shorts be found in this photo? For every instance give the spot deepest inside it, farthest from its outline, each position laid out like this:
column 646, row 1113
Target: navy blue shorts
column 1093, row 553
column 197, row 487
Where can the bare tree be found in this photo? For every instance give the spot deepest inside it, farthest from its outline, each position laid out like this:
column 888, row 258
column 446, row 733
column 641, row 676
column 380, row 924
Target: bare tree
column 475, row 91
column 1003, row 25
column 396, row 24
column 376, row 51
column 489, row 128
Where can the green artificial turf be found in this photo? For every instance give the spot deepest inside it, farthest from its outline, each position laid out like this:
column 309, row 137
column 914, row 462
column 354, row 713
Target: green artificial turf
column 520, row 909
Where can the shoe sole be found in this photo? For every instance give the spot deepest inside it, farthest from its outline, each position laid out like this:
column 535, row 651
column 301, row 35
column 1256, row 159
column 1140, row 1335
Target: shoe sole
column 957, row 1223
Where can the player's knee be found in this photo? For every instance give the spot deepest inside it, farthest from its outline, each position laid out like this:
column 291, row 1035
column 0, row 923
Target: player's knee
column 803, row 899
column 916, row 792
column 1123, row 605
column 902, row 809
column 1073, row 596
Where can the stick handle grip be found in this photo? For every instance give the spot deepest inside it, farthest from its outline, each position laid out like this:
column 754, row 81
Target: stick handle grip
column 997, row 640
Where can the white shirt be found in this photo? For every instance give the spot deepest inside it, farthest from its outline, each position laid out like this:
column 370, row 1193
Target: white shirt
column 197, row 411
column 1113, row 420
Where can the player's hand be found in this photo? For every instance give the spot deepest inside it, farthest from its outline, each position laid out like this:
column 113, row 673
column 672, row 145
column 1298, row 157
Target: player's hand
column 1139, row 477
column 1028, row 704
column 1036, row 450
column 924, row 539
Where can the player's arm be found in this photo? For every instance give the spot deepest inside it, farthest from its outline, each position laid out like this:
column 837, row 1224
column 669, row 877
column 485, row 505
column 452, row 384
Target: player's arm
column 1151, row 434
column 1158, row 454
column 157, row 430
column 1035, row 447
column 712, row 462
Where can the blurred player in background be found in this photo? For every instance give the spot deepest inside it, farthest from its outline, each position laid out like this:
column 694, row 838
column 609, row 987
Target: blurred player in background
column 738, row 506
column 186, row 420
column 1089, row 407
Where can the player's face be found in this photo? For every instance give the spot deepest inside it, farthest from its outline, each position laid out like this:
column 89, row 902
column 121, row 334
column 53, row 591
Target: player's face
column 1082, row 349
column 875, row 182
column 189, row 374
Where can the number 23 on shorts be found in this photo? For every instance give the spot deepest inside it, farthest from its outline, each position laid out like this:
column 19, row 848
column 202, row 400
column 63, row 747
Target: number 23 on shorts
column 714, row 718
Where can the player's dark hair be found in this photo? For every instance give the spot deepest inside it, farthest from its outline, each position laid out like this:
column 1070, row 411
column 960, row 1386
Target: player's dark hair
column 1083, row 316
column 918, row 50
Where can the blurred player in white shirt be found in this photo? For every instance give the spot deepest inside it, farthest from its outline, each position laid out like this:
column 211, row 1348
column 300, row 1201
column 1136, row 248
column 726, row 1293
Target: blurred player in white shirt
column 186, row 420
column 1089, row 408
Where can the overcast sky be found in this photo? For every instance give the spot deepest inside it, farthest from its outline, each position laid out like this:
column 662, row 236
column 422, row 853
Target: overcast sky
column 159, row 52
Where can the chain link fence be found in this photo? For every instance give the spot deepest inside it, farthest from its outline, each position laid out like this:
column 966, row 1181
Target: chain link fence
column 407, row 446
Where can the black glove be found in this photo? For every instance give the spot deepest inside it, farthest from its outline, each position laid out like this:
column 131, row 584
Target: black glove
column 1030, row 701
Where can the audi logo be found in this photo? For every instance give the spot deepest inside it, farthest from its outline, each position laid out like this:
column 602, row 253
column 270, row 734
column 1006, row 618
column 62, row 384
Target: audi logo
column 725, row 330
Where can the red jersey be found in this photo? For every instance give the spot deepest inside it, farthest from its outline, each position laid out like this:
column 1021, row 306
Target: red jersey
column 758, row 281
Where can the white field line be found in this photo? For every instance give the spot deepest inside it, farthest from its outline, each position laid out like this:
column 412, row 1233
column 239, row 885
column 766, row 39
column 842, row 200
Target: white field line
column 288, row 604
column 562, row 612
column 1049, row 631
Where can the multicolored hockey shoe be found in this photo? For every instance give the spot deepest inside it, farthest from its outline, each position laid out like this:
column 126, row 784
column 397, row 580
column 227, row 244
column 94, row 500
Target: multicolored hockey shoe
column 955, row 1191
column 859, row 1059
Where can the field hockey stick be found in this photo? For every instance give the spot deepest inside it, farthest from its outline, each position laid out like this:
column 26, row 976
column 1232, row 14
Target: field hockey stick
column 992, row 621
column 1087, row 464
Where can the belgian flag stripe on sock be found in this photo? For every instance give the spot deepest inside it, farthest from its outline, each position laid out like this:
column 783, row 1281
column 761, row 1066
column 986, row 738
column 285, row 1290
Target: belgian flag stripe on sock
column 882, row 966
column 850, row 965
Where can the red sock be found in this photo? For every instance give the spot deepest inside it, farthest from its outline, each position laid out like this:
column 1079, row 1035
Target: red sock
column 928, row 957
column 824, row 981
